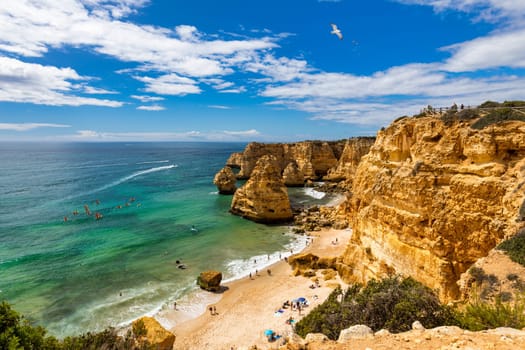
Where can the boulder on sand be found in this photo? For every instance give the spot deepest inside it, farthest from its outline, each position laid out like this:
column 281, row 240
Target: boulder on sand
column 210, row 280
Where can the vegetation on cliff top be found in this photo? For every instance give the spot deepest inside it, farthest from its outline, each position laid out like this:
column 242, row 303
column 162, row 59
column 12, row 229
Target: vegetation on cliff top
column 515, row 247
column 391, row 303
column 16, row 332
column 395, row 303
column 487, row 113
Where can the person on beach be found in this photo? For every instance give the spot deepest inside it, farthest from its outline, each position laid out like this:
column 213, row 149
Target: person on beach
column 211, row 310
column 215, row 311
column 269, row 272
column 175, row 306
column 251, row 276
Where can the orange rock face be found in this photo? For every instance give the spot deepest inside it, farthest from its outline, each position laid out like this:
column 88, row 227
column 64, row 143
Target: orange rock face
column 346, row 166
column 313, row 158
column 430, row 199
column 264, row 197
column 156, row 335
column 225, row 181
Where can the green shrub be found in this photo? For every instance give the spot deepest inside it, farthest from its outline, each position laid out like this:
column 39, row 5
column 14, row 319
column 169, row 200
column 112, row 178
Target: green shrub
column 452, row 116
column 496, row 116
column 514, row 104
column 16, row 333
column 480, row 315
column 515, row 247
column 391, row 303
column 489, row 104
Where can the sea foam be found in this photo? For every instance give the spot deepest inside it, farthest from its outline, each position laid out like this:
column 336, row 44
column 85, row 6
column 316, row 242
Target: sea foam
column 313, row 193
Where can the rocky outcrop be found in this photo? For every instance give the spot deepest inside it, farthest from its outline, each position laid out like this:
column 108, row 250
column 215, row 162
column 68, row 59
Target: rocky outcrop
column 210, row 280
column 430, row 199
column 346, row 167
column 254, row 151
column 235, row 160
column 156, row 335
column 292, row 176
column 225, row 181
column 264, row 197
column 313, row 158
column 316, row 218
column 444, row 337
column 303, row 263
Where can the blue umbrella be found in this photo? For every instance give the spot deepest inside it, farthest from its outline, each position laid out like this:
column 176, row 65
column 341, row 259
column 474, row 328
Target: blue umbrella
column 299, row 300
column 268, row 332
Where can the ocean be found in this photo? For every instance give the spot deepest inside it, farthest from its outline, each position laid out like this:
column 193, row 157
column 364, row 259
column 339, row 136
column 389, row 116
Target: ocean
column 71, row 273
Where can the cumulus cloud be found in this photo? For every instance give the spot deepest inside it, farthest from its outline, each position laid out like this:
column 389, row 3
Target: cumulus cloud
column 31, row 29
column 501, row 49
column 30, row 126
column 170, row 84
column 378, row 98
column 47, row 85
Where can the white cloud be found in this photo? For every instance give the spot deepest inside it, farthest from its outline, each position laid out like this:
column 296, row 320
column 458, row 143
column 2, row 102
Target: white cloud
column 93, row 135
column 251, row 132
column 170, row 84
column 115, row 8
column 97, row 91
column 30, row 126
column 382, row 96
column 187, row 33
column 502, row 49
column 238, row 90
column 278, row 69
column 219, row 107
column 510, row 11
column 48, row 85
column 145, row 98
column 31, row 28
column 151, row 108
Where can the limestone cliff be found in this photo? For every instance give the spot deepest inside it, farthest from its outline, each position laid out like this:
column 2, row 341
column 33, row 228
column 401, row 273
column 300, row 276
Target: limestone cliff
column 225, row 181
column 292, row 176
column 313, row 158
column 235, row 160
column 263, row 198
column 430, row 199
column 346, row 166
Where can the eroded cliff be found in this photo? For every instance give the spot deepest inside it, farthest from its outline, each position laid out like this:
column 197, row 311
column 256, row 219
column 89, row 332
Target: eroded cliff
column 313, row 158
column 264, row 197
column 430, row 199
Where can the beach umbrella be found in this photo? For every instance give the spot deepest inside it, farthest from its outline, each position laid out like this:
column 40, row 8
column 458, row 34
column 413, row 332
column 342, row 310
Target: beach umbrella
column 299, row 300
column 268, row 332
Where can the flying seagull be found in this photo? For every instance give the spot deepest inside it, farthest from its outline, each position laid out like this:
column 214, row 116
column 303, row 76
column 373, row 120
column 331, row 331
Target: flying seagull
column 336, row 31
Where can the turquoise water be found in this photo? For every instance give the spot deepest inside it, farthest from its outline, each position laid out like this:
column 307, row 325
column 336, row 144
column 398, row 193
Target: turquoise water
column 86, row 274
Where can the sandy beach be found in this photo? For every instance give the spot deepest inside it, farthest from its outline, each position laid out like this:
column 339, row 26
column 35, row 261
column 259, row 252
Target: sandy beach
column 248, row 307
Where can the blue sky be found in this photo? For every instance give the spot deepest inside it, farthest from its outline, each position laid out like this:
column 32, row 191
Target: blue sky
column 208, row 70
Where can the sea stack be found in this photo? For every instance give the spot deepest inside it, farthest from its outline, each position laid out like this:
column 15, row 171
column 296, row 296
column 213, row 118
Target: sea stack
column 225, row 181
column 292, row 176
column 264, row 197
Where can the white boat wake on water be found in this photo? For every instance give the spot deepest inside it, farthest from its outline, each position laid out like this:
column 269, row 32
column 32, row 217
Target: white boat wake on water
column 124, row 179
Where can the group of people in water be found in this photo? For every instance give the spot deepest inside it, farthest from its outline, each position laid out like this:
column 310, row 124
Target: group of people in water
column 98, row 215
